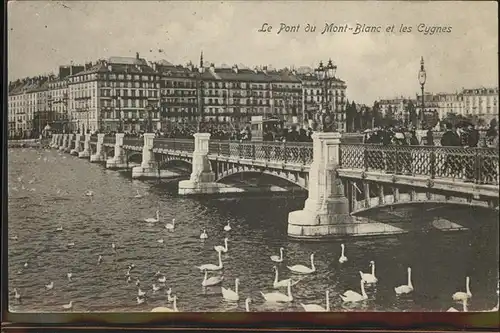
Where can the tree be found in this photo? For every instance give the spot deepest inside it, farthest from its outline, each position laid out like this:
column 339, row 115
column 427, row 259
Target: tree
column 493, row 123
column 412, row 113
column 376, row 115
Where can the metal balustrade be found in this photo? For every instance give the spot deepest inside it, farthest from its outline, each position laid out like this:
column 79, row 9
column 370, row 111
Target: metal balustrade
column 183, row 145
column 133, row 141
column 109, row 140
column 284, row 152
column 478, row 165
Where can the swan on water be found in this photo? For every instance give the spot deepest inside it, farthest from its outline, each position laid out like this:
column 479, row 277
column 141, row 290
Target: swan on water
column 204, row 235
column 464, row 307
column 137, row 282
column 220, row 248
column 89, row 193
column 170, row 226
column 405, row 288
column 99, row 260
column 14, row 237
column 50, row 285
column 140, row 300
column 70, row 244
column 342, row 258
column 169, row 295
column 165, row 309
column 163, row 279
column 282, row 283
column 227, row 227
column 157, row 273
column 351, row 296
column 301, row 269
column 318, row 308
column 212, row 281
column 229, row 294
column 68, row 306
column 369, row 277
column 247, row 304
column 26, row 264
column 128, row 279
column 16, row 294
column 160, row 241
column 59, row 228
column 212, row 267
column 113, row 246
column 279, row 297
column 152, row 219
column 460, row 295
column 138, row 195
column 140, row 292
column 155, row 288
column 278, row 258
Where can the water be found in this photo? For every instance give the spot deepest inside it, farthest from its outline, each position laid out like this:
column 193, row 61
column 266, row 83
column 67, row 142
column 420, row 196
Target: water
column 440, row 261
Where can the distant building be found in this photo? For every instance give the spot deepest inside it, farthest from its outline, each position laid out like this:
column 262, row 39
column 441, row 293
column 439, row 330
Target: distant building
column 398, row 107
column 481, row 102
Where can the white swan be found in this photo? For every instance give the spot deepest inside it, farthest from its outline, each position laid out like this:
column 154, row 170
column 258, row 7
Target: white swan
column 247, row 304
column 212, row 281
column 140, row 300
column 71, row 244
column 279, row 297
column 165, row 309
column 68, row 306
column 17, row 295
column 138, row 195
column 460, row 295
column 89, row 193
column 220, row 248
column 69, row 275
column 99, row 260
column 369, row 277
column 212, row 267
column 163, row 279
column 155, row 288
column 170, row 226
column 160, row 241
column 204, row 235
column 113, row 246
column 405, row 288
column 50, row 285
column 282, row 283
column 351, row 296
column 342, row 258
column 278, row 258
column 227, row 227
column 140, row 292
column 464, row 307
column 169, row 295
column 301, row 269
column 59, row 228
column 318, row 308
column 229, row 294
column 152, row 219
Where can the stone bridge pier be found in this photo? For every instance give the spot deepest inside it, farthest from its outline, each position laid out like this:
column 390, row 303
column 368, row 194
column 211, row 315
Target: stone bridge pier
column 64, row 144
column 86, row 147
column 326, row 210
column 76, row 150
column 119, row 160
column 99, row 155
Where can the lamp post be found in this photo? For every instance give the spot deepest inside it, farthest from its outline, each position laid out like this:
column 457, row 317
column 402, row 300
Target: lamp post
column 149, row 124
column 325, row 119
column 422, row 76
column 201, row 103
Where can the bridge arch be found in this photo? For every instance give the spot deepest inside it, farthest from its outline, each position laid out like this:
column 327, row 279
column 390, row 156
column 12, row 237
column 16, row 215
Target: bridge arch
column 109, row 151
column 166, row 162
column 133, row 156
column 289, row 177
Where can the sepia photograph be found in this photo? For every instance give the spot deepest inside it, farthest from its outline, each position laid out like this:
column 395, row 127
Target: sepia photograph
column 252, row 156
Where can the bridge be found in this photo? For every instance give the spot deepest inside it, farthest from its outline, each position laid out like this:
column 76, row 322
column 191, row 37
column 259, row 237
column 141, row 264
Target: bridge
column 342, row 179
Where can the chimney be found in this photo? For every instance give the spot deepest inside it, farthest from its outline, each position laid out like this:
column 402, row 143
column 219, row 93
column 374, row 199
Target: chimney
column 137, row 55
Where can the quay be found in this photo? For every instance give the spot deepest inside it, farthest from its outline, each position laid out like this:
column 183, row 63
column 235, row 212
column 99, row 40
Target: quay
column 342, row 179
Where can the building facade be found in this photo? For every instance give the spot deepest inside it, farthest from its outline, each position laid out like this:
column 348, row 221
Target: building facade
column 481, row 102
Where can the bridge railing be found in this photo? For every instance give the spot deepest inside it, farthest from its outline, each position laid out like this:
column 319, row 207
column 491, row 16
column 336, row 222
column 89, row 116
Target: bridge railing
column 184, row 145
column 285, row 152
column 109, row 140
column 478, row 165
column 133, row 141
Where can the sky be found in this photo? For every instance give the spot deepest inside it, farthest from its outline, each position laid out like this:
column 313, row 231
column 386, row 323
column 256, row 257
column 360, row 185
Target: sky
column 43, row 35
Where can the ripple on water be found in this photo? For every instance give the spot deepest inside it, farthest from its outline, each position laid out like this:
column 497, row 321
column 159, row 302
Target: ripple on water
column 440, row 262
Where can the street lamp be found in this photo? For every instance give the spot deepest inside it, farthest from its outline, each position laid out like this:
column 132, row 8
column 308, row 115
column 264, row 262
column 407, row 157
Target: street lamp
column 422, row 76
column 325, row 119
column 201, row 102
column 149, row 123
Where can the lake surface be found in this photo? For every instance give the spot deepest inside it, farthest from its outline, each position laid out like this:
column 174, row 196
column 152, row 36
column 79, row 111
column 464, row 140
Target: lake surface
column 47, row 191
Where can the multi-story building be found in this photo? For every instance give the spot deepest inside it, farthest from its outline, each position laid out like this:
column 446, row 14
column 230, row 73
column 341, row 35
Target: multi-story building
column 398, row 107
column 313, row 100
column 121, row 92
column 481, row 102
column 448, row 103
